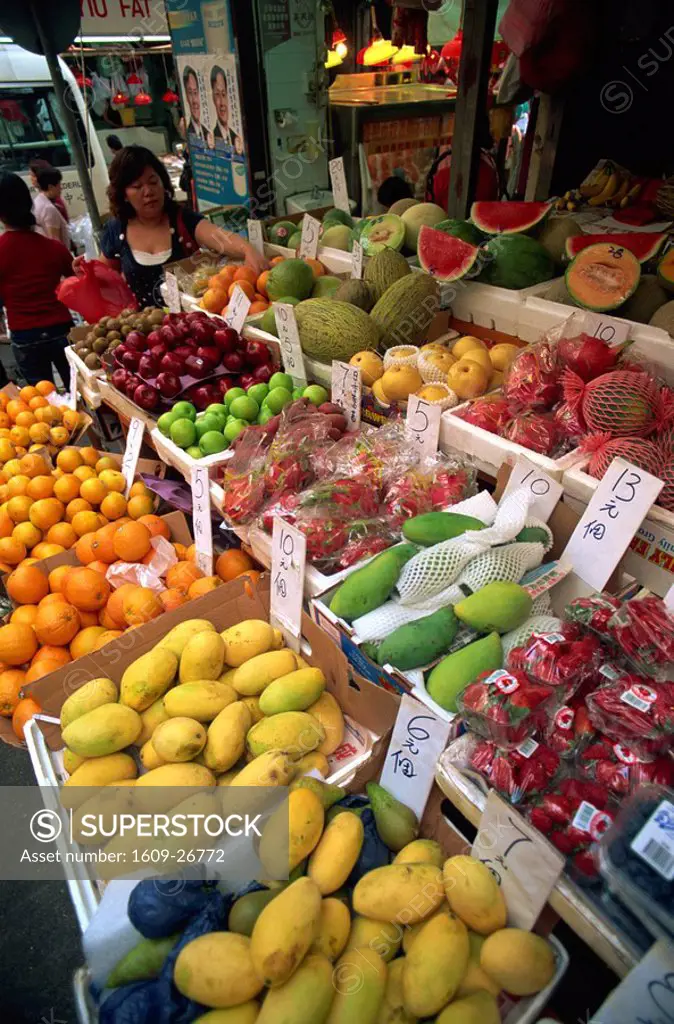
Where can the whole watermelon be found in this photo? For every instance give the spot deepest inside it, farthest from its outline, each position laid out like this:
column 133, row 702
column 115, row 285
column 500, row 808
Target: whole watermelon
column 515, row 261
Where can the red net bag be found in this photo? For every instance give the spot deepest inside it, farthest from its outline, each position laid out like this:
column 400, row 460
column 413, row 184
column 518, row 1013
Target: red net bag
column 96, row 291
column 665, row 439
column 488, row 413
column 623, row 402
column 604, row 449
column 666, row 473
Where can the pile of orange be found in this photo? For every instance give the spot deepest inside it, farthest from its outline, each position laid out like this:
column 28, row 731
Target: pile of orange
column 29, row 423
column 221, row 288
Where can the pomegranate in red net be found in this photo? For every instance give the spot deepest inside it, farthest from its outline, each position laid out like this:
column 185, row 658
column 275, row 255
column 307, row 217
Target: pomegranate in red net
column 666, row 473
column 535, row 431
column 626, row 403
column 569, row 422
column 604, row 449
column 665, row 440
column 490, row 414
column 532, row 379
column 587, row 356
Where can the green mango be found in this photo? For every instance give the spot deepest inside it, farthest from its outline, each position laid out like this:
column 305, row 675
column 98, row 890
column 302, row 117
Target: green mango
column 397, row 825
column 143, row 962
column 418, row 643
column 455, row 672
column 368, row 588
column 327, row 793
column 246, row 910
column 498, row 607
column 533, row 534
column 434, row 527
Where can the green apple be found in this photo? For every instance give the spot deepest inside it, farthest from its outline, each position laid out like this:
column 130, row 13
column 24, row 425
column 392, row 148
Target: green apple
column 234, row 428
column 217, row 409
column 213, row 442
column 164, row 422
column 278, row 398
column 259, row 392
column 233, row 394
column 184, row 410
column 194, row 451
column 281, row 380
column 316, row 394
column 265, row 415
column 183, row 432
column 298, row 393
column 245, row 408
column 207, row 423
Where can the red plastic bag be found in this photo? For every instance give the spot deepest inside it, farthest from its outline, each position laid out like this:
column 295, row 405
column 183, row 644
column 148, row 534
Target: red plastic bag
column 96, row 291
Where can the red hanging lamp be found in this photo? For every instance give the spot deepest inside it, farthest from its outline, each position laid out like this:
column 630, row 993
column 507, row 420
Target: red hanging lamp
column 134, row 79
column 82, row 81
column 170, row 97
column 142, row 99
column 119, row 99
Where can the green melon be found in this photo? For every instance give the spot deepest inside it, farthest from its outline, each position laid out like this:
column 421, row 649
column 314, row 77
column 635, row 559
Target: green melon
column 335, row 216
column 358, row 293
column 400, row 205
column 516, row 261
column 553, row 236
column 384, row 269
column 336, row 236
column 291, row 277
column 280, row 232
column 325, row 287
column 646, row 301
column 406, row 309
column 295, row 240
column 330, row 329
column 413, row 218
column 378, row 233
column 664, row 318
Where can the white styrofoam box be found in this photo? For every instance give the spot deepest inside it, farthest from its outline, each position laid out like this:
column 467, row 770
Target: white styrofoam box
column 489, row 451
column 486, row 305
column 180, row 460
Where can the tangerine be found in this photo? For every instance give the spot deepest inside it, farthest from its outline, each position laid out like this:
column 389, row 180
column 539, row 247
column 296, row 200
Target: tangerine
column 106, row 637
column 40, row 487
column 113, row 505
column 204, row 586
column 50, row 652
column 85, row 522
column 27, row 585
column 57, row 622
column 18, row 508
column 106, row 462
column 67, row 488
column 157, row 526
column 23, row 712
column 27, row 534
column 40, row 668
column 93, row 490
column 182, row 575
column 11, row 681
column 132, row 542
column 140, row 505
column 46, row 513
column 114, row 609
column 46, row 550
column 69, row 459
column 84, row 549
column 141, row 605
column 18, row 643
column 63, row 534
column 232, row 563
column 56, row 578
column 12, row 551
column 87, row 590
column 173, row 598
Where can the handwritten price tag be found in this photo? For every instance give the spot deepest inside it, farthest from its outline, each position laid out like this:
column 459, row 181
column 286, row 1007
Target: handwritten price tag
column 70, row 400
column 669, row 599
column 423, row 425
column 288, row 562
column 201, row 519
column 289, row 340
column 172, row 292
column 614, row 515
column 255, row 236
column 311, row 229
column 545, row 491
column 340, row 193
column 418, row 739
column 237, row 310
column 134, row 440
column 347, row 389
column 357, row 261
column 646, row 994
column 524, row 864
column 610, row 330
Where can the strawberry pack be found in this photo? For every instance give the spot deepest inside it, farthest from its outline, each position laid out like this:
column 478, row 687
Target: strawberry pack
column 634, row 710
column 569, row 729
column 573, row 816
column 643, row 630
column 505, row 706
column 520, row 774
column 565, row 660
column 621, row 769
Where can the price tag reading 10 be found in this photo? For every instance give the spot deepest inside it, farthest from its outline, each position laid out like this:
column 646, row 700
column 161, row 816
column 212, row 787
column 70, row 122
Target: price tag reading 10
column 423, row 425
column 288, row 561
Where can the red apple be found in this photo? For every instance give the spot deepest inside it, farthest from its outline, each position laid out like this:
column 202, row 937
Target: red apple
column 256, row 353
column 136, row 341
column 131, row 359
column 119, row 378
column 204, row 395
column 170, row 319
column 196, row 314
column 226, row 339
column 132, row 383
column 169, row 336
column 247, row 381
column 146, row 396
column 210, row 355
column 263, row 373
column 118, row 354
column 183, row 351
column 197, row 367
column 183, row 329
column 223, row 384
column 158, row 351
column 233, row 361
column 154, row 338
column 169, row 384
column 172, row 363
column 202, row 332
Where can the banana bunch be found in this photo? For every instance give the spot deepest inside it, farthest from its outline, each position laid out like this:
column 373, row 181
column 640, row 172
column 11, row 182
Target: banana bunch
column 608, row 185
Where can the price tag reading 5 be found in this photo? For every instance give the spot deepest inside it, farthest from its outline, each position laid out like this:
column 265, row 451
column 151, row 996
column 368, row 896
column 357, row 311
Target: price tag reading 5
column 346, row 391
column 311, row 229
column 134, row 440
column 289, row 340
column 288, row 561
column 201, row 520
column 423, row 425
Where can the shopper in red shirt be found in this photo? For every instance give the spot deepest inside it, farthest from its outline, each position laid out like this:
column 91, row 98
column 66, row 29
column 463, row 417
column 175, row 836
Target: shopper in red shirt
column 31, row 267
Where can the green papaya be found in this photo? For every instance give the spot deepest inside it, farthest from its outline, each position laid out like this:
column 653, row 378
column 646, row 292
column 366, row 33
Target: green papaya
column 143, row 962
column 497, row 607
column 434, row 527
column 454, row 673
column 368, row 588
column 418, row 643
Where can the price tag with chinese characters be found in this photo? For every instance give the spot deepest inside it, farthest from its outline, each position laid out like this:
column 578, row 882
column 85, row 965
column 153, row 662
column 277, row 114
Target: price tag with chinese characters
column 237, row 310
column 418, row 739
column 289, row 341
column 614, row 515
column 255, row 236
column 544, row 491
column 646, row 994
column 607, row 328
column 423, row 425
column 669, row 599
column 311, row 229
column 524, row 863
column 346, row 391
column 340, row 193
column 172, row 292
column 288, row 561
column 134, row 440
column 357, row 261
column 201, row 519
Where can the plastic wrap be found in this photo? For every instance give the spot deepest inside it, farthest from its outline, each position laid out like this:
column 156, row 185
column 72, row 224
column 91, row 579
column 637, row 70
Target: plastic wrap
column 569, row 729
column 539, row 432
column 381, row 453
column 520, row 774
column 643, row 630
column 532, row 379
column 433, row 485
column 492, row 413
column 621, row 769
column 573, row 816
column 564, row 660
column 592, row 612
column 634, row 710
column 506, row 707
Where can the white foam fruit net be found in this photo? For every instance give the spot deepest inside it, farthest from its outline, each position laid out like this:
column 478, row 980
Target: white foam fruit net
column 542, row 605
column 534, row 624
column 378, row 624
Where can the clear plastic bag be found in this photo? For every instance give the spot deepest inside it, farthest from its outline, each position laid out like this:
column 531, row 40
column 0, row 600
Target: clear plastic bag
column 565, row 660
column 96, row 291
column 506, row 707
column 520, row 774
column 621, row 769
column 643, row 630
column 634, row 710
column 573, row 816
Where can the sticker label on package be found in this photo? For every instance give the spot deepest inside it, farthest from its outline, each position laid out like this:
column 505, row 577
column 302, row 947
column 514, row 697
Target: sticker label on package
column 588, row 819
column 609, row 672
column 639, row 697
column 625, row 755
column 527, row 747
column 503, row 681
column 550, row 638
column 655, row 842
column 564, row 718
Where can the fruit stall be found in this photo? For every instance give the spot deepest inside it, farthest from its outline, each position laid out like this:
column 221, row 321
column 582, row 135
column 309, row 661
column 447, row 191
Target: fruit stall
column 450, row 443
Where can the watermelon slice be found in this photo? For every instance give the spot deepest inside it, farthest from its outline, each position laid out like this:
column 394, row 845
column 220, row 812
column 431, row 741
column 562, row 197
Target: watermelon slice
column 645, row 245
column 445, row 257
column 508, row 218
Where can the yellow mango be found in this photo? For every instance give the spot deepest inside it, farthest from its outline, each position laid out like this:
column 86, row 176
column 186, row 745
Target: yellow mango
column 474, row 895
column 168, row 777
column 149, row 758
column 296, row 732
column 148, row 678
column 360, row 982
column 202, row 658
column 202, row 700
column 246, row 640
column 404, row 893
column 284, row 932
column 254, row 675
column 278, row 641
column 333, row 859
column 98, row 771
column 329, row 714
column 480, row 1008
column 114, row 799
column 253, row 705
column 176, row 638
column 333, row 928
column 520, row 962
column 384, row 937
column 413, row 930
column 226, row 778
column 179, row 739
column 105, row 730
column 71, row 761
column 274, row 768
column 315, row 761
column 151, row 718
column 297, row 827
column 435, row 965
column 93, row 694
column 305, row 997
column 226, row 737
column 244, row 1013
column 421, row 851
column 227, row 676
column 293, row 692
column 476, row 980
column 217, row 970
column 393, row 1009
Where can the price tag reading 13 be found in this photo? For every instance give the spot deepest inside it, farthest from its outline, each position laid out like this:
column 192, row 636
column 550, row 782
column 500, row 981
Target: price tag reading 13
column 288, row 562
column 422, row 425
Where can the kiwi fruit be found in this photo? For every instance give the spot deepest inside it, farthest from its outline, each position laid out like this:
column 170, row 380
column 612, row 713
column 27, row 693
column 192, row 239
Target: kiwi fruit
column 156, row 317
column 113, row 324
column 99, row 331
column 93, row 361
column 126, row 329
column 113, row 335
column 100, row 345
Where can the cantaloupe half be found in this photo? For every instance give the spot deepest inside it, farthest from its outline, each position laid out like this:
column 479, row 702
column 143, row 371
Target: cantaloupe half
column 603, row 276
column 666, row 271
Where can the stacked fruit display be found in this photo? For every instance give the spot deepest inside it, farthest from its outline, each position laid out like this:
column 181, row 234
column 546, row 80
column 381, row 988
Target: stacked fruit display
column 112, row 331
column 191, row 355
column 31, row 423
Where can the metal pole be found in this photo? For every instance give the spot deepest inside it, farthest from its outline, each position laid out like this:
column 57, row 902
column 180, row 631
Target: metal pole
column 68, row 118
column 479, row 22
